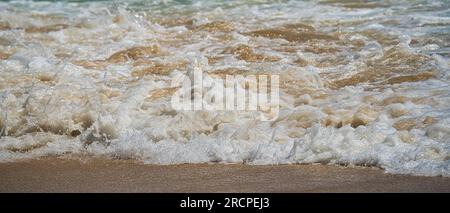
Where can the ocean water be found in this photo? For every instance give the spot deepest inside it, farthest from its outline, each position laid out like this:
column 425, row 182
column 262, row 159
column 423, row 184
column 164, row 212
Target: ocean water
column 361, row 82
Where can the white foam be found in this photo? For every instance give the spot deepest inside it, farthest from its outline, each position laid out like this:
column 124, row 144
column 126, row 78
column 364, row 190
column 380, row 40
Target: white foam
column 52, row 106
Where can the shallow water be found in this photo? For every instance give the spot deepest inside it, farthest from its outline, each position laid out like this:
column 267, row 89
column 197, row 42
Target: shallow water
column 360, row 83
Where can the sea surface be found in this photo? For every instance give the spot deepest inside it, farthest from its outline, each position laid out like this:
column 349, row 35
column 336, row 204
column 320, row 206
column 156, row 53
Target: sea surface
column 362, row 83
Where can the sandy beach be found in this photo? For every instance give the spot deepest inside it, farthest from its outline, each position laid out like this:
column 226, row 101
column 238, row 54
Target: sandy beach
column 101, row 175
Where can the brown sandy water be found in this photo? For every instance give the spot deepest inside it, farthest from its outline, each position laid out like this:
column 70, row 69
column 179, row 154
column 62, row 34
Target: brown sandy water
column 361, row 83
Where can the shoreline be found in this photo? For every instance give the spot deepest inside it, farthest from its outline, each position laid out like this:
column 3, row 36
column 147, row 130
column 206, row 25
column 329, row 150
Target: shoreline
column 104, row 175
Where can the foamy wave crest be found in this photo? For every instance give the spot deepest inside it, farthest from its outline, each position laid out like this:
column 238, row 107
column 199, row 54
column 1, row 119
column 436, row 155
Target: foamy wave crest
column 358, row 84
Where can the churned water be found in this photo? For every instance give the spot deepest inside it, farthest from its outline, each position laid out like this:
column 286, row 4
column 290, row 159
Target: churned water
column 360, row 82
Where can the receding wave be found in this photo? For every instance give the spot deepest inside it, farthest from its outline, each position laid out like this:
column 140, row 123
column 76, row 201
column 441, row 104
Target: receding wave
column 360, row 83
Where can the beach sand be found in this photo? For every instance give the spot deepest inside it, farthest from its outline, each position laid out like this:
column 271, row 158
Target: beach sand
column 102, row 175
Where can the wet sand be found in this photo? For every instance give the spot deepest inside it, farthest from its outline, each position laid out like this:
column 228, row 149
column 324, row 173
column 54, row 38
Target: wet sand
column 100, row 175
